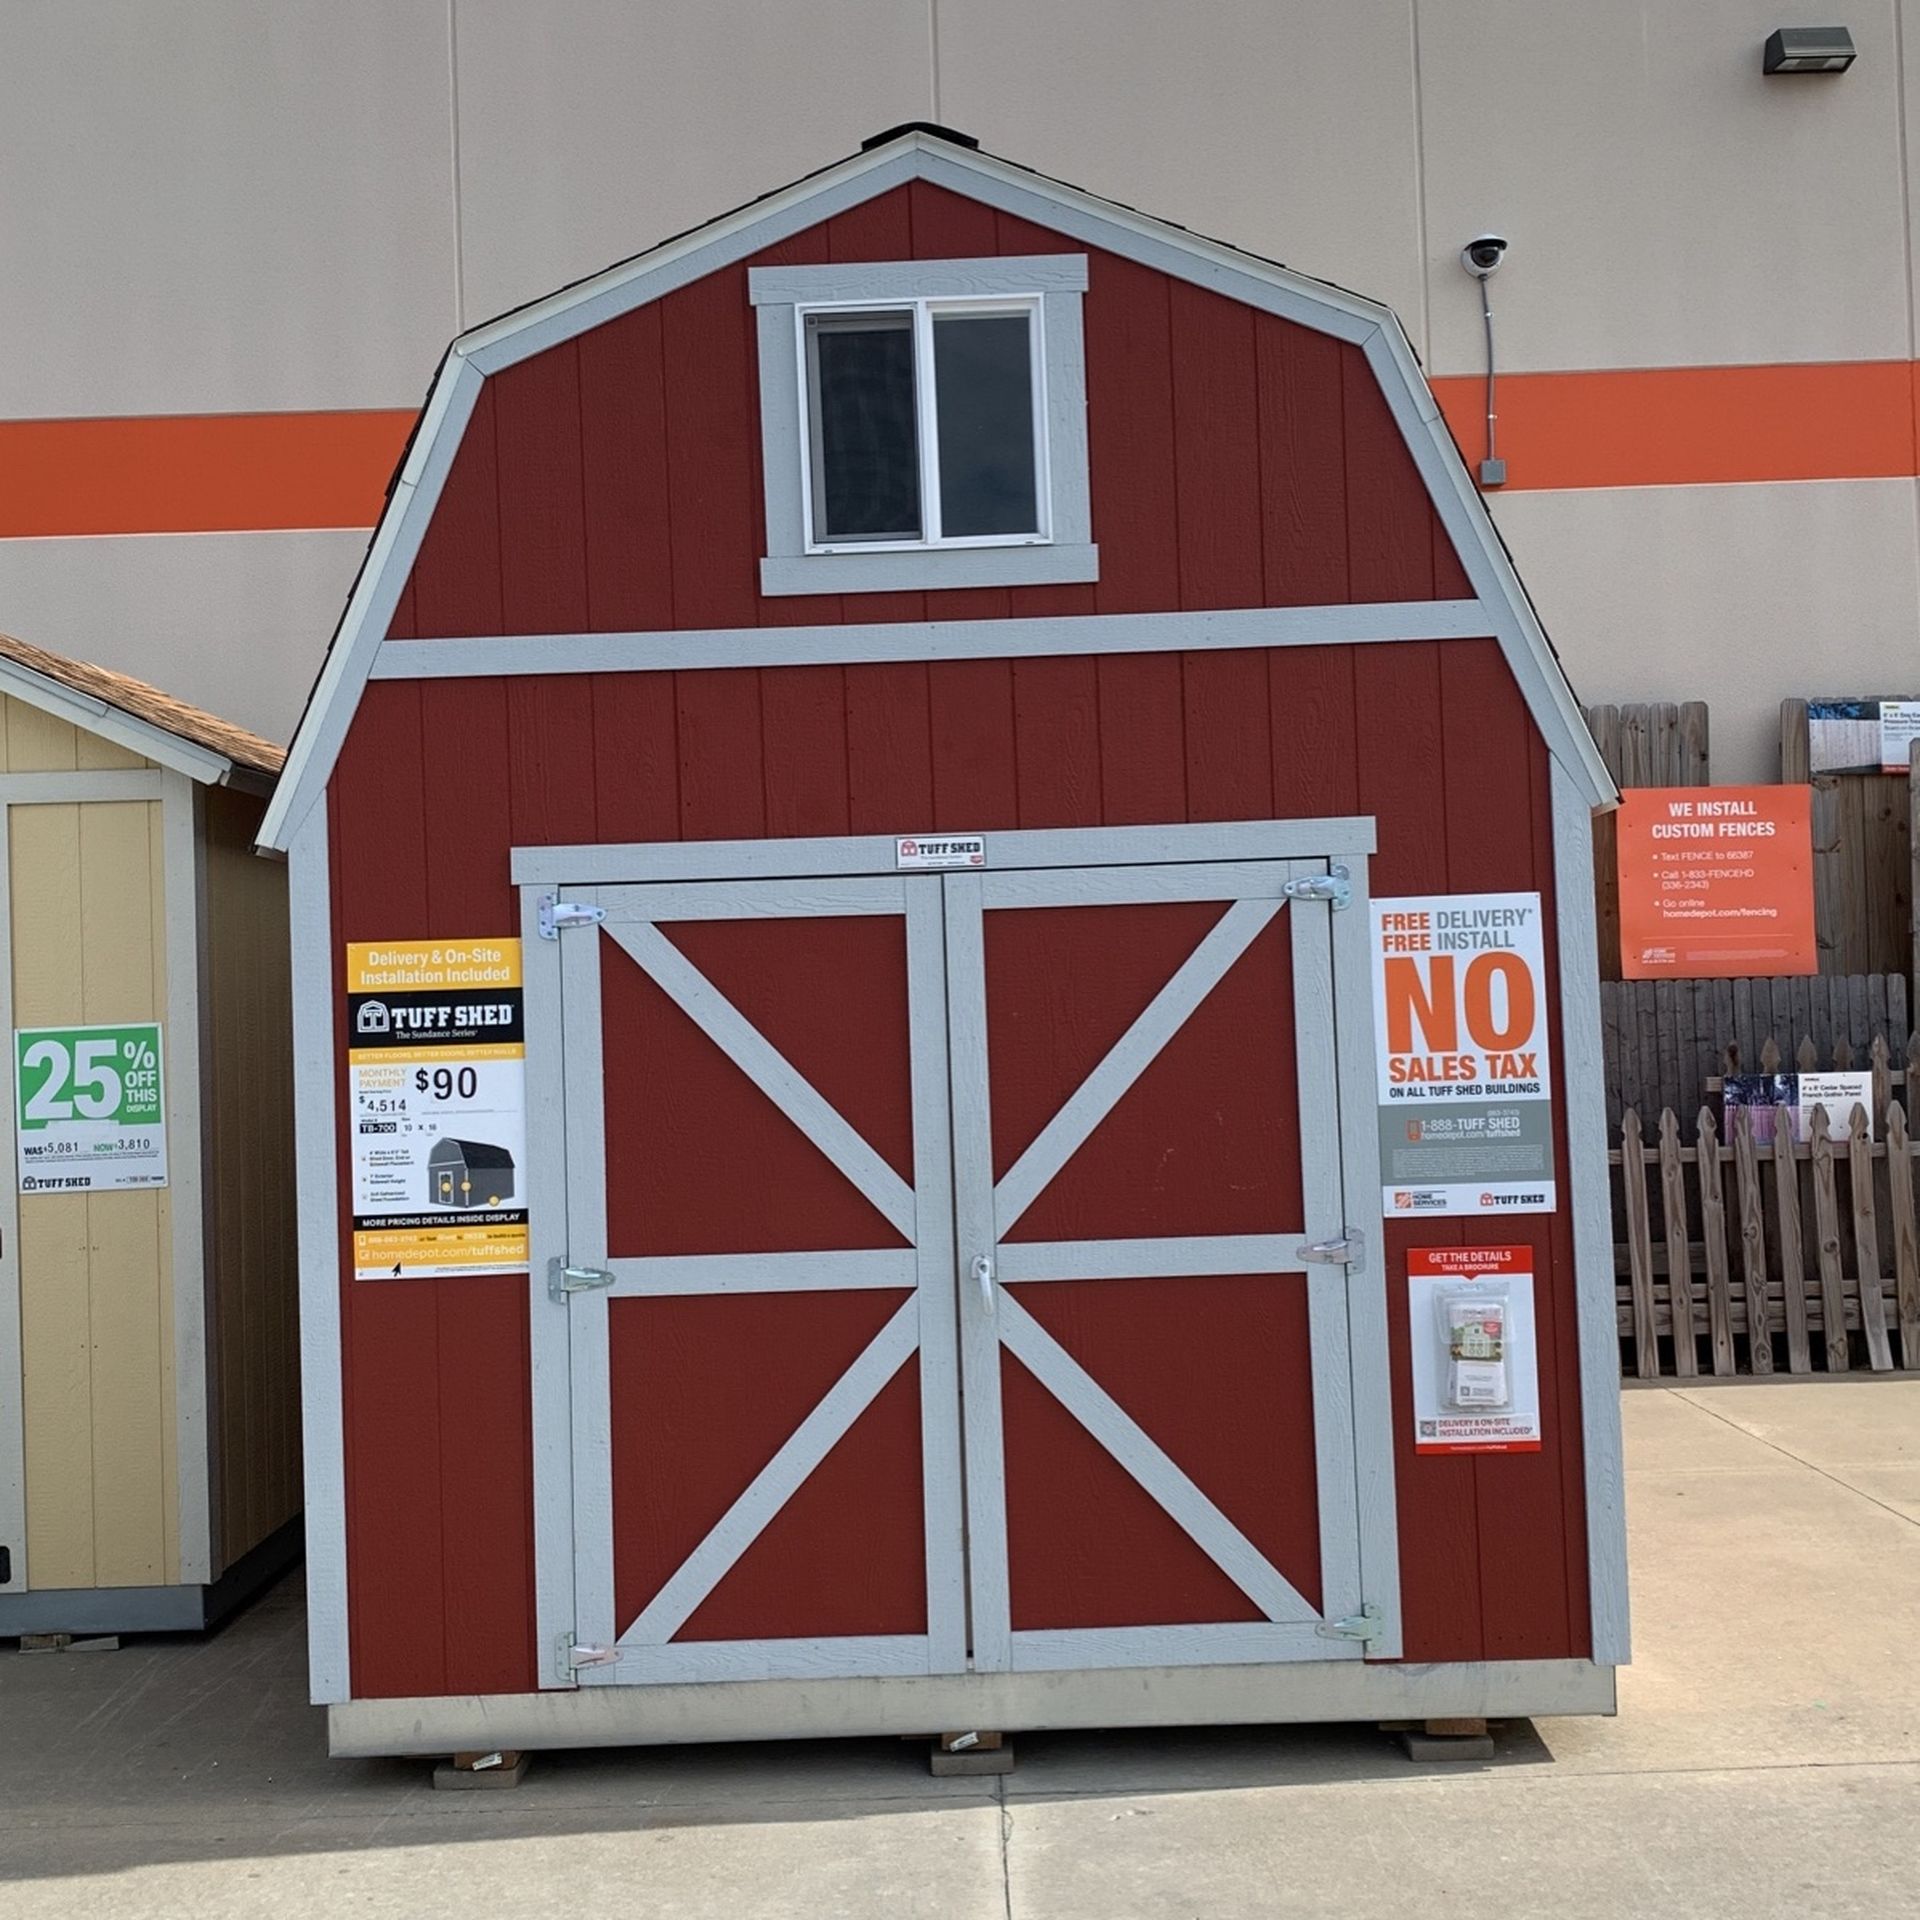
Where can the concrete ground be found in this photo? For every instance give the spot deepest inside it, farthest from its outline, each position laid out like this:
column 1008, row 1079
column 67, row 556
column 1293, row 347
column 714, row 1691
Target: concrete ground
column 1765, row 1762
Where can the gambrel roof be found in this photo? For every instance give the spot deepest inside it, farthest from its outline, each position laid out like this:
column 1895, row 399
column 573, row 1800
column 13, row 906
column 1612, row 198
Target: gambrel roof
column 921, row 152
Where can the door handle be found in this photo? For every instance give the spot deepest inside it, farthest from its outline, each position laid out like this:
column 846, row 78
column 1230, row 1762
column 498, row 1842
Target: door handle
column 983, row 1275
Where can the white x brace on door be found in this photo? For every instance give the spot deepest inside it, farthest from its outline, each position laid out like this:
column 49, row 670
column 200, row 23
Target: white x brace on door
column 665, row 1557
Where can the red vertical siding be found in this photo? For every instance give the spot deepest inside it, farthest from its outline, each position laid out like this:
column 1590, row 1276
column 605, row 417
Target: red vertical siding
column 626, row 526
column 1432, row 740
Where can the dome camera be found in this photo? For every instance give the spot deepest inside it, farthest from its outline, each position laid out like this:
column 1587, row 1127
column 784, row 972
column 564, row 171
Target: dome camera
column 1483, row 256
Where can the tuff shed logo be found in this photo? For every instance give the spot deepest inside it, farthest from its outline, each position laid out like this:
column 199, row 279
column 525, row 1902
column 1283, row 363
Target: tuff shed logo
column 921, row 850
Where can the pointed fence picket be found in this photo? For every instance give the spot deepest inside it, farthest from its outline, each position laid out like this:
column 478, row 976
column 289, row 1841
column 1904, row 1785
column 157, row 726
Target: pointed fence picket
column 1796, row 1255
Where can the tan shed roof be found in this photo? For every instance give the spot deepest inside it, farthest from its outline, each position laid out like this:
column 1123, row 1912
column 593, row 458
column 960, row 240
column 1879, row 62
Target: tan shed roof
column 148, row 704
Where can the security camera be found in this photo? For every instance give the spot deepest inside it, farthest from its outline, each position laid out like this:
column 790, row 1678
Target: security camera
column 1483, row 256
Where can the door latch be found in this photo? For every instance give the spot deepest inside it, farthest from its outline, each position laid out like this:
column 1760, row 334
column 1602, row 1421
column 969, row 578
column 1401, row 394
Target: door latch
column 563, row 1279
column 1335, row 885
column 983, row 1277
column 1342, row 1250
column 557, row 915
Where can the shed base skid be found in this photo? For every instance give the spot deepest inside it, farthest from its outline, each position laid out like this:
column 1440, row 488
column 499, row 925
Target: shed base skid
column 621, row 1716
column 98, row 1610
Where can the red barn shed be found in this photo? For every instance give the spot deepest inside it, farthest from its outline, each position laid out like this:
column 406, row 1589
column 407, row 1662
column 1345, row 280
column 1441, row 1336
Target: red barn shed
column 959, row 777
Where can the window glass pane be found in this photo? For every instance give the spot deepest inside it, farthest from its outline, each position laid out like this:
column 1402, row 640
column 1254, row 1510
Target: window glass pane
column 983, row 398
column 866, row 459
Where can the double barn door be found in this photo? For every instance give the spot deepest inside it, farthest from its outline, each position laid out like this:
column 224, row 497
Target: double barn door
column 945, row 1278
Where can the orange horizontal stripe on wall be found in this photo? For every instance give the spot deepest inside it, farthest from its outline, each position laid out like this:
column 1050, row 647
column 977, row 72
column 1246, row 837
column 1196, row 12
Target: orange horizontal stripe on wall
column 197, row 473
column 1628, row 427
column 1692, row 426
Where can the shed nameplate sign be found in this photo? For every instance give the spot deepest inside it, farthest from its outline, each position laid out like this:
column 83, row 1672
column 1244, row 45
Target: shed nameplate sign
column 1466, row 1087
column 89, row 1108
column 437, row 1088
column 915, row 852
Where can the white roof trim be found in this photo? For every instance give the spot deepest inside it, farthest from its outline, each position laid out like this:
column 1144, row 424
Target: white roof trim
column 916, row 155
column 93, row 715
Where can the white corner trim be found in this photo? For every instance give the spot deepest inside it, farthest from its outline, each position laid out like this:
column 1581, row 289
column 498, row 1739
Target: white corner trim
column 1543, row 681
column 1062, row 209
column 376, row 592
column 186, row 1197
column 1581, row 1070
column 1380, row 622
column 323, row 1429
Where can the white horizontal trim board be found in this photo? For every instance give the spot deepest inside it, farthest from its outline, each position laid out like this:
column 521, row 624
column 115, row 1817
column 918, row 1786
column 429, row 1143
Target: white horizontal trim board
column 1223, row 1694
column 1025, row 1262
column 643, row 862
column 1363, row 624
column 662, row 1276
column 723, row 1660
column 104, row 783
column 992, row 276
column 1011, row 563
column 1251, row 1642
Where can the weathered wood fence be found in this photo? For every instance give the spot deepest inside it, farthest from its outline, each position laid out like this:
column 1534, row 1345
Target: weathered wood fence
column 1736, row 1255
column 1658, row 743
column 1665, row 1040
column 1862, row 858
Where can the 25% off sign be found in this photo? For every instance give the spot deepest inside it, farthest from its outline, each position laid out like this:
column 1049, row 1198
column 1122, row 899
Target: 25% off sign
column 90, row 1108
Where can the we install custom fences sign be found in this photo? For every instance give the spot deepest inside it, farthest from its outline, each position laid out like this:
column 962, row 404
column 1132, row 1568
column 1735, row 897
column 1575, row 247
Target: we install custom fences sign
column 89, row 1108
column 1459, row 1008
column 1716, row 882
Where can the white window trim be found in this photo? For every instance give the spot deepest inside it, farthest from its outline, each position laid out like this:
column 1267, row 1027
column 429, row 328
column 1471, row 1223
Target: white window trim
column 1050, row 288
column 927, row 421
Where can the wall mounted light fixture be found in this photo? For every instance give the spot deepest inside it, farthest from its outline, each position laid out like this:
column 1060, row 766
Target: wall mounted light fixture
column 1807, row 50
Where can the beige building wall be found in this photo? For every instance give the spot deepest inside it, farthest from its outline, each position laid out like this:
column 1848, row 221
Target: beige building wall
column 215, row 206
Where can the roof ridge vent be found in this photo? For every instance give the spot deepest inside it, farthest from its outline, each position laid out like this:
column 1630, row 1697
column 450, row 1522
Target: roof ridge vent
column 933, row 127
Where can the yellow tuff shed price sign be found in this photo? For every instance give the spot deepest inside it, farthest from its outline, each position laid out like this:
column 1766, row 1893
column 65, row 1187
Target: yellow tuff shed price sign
column 437, row 1092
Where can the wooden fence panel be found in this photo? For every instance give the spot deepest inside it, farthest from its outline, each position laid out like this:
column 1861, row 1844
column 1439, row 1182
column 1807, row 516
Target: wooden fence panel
column 1713, row 1234
column 1668, row 1041
column 1793, row 1268
column 1673, row 1207
column 1866, row 1243
column 1753, row 1235
column 1837, row 1296
column 1906, row 1237
column 1863, row 859
column 1639, row 1227
column 1655, row 744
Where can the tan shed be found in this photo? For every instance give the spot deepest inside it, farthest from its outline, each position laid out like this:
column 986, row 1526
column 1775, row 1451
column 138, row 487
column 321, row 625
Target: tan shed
column 149, row 1399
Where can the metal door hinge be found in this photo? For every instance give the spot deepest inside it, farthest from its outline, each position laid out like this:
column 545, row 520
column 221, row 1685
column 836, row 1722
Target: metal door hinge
column 573, row 1656
column 563, row 1279
column 557, row 915
column 1336, row 885
column 1363, row 1626
column 1343, row 1250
